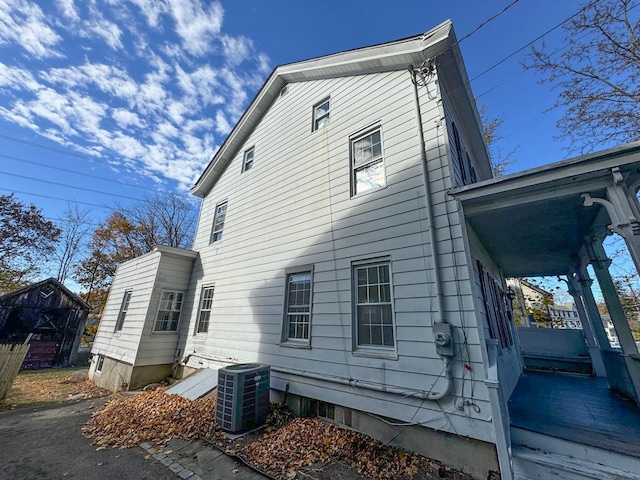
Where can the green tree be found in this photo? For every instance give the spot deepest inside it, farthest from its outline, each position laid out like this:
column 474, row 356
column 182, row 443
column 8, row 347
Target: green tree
column 27, row 242
column 596, row 75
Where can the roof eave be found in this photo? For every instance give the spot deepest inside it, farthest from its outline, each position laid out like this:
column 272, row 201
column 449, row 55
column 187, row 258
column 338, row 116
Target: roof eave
column 390, row 56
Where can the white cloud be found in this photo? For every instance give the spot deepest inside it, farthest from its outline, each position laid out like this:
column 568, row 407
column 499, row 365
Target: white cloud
column 196, row 24
column 68, row 9
column 159, row 107
column 222, row 124
column 17, row 78
column 151, row 9
column 236, row 49
column 125, row 118
column 23, row 23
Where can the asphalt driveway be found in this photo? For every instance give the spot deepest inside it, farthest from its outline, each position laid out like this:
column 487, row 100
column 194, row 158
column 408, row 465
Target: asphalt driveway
column 46, row 443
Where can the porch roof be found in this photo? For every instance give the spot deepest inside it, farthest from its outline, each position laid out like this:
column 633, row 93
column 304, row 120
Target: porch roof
column 533, row 223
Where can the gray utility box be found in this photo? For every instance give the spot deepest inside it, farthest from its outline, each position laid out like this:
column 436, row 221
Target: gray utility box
column 243, row 396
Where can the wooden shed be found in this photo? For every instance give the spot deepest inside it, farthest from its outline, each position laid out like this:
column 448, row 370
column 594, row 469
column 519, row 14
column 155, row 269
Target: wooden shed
column 53, row 314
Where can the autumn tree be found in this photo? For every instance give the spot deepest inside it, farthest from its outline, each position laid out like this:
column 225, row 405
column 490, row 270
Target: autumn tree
column 501, row 160
column 596, row 75
column 127, row 233
column 27, row 241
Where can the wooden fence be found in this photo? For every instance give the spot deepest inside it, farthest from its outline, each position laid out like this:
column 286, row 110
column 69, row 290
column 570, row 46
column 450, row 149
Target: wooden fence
column 11, row 358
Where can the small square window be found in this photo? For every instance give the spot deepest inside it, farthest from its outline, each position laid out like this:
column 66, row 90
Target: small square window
column 247, row 162
column 99, row 363
column 169, row 312
column 124, row 307
column 218, row 222
column 206, row 302
column 297, row 315
column 367, row 165
column 321, row 114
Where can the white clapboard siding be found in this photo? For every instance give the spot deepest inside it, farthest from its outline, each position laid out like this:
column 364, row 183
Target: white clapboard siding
column 138, row 276
column 146, row 277
column 174, row 273
column 294, row 208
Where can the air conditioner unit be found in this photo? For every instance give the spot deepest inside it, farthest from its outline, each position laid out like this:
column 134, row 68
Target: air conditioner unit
column 243, row 396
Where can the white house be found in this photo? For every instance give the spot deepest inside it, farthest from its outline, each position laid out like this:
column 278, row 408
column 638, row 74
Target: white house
column 333, row 245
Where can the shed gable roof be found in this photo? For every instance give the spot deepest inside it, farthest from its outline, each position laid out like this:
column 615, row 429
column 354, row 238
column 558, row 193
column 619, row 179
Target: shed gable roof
column 7, row 298
column 396, row 55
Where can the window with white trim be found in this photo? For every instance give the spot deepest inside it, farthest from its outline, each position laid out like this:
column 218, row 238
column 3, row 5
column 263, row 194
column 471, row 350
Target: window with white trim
column 124, row 307
column 169, row 311
column 297, row 311
column 321, row 114
column 367, row 165
column 218, row 222
column 99, row 363
column 206, row 301
column 374, row 326
column 247, row 162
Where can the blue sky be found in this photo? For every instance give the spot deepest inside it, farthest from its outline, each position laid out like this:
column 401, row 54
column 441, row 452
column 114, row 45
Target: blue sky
column 105, row 101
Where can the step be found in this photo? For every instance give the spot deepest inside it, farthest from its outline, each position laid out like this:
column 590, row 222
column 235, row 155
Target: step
column 530, row 464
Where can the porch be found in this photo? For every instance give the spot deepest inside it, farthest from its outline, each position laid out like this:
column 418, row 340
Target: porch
column 577, row 408
column 552, row 221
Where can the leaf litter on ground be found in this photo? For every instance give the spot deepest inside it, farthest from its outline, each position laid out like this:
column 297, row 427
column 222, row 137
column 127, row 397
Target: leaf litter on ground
column 286, row 446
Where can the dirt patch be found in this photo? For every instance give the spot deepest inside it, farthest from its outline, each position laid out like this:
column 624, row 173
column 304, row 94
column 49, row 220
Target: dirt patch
column 44, row 387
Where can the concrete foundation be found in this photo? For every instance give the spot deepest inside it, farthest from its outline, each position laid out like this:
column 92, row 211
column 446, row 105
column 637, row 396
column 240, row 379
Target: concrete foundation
column 114, row 374
column 144, row 375
column 472, row 456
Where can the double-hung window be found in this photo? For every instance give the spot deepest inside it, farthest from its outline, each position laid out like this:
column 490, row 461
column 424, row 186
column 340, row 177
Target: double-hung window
column 321, row 114
column 297, row 311
column 247, row 161
column 169, row 311
column 206, row 301
column 367, row 163
column 218, row 222
column 374, row 327
column 124, row 307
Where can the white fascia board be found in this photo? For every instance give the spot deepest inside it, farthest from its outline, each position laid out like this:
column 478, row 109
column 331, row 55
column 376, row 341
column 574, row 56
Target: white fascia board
column 568, row 169
column 394, row 55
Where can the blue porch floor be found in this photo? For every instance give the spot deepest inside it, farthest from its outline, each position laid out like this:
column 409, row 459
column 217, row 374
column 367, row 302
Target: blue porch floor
column 576, row 408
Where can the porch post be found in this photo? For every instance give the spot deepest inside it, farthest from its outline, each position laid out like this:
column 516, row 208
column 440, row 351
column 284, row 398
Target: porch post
column 624, row 372
column 600, row 264
column 587, row 328
column 584, row 283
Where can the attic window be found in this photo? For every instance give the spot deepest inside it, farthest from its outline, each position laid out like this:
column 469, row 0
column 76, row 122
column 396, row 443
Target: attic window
column 46, row 291
column 321, row 114
column 247, row 162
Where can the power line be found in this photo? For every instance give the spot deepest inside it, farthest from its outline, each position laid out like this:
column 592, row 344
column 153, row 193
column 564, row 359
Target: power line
column 532, row 42
column 59, row 184
column 56, row 198
column 68, row 170
column 486, row 21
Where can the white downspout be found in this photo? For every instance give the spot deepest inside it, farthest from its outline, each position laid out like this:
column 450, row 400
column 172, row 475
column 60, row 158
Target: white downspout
column 439, row 318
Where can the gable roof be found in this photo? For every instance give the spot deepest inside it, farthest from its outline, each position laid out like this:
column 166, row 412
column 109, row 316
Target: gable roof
column 56, row 283
column 395, row 55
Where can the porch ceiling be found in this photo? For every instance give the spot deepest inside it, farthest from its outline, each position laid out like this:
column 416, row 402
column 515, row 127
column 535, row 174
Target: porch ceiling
column 533, row 223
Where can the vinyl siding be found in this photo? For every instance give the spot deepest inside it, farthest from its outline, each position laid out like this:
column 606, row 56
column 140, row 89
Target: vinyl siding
column 173, row 274
column 137, row 275
column 146, row 277
column 294, row 207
